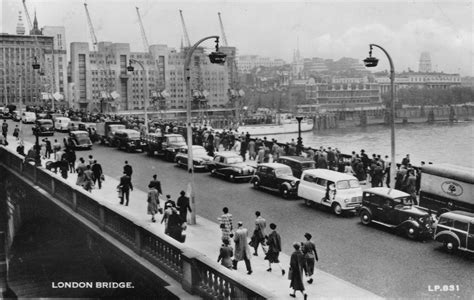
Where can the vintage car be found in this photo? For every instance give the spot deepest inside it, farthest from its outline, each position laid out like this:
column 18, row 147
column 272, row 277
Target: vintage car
column 340, row 192
column 297, row 164
column 231, row 166
column 128, row 139
column 275, row 176
column 44, row 127
column 79, row 139
column 28, row 117
column 200, row 157
column 394, row 209
column 455, row 229
column 62, row 123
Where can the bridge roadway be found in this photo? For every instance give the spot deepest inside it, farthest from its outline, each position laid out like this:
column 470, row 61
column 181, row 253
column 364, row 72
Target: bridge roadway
column 370, row 257
column 205, row 238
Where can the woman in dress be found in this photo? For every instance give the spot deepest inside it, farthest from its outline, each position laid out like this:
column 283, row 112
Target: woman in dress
column 225, row 222
column 296, row 271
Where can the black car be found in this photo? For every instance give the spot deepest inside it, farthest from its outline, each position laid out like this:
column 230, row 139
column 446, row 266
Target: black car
column 231, row 166
column 394, row 209
column 277, row 177
column 128, row 139
column 44, row 127
column 297, row 164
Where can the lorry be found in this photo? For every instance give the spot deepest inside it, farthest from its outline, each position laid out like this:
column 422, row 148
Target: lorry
column 106, row 131
column 166, row 145
column 447, row 187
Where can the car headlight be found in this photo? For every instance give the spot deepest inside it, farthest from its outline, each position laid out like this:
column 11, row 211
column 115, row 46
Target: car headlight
column 346, row 200
column 293, row 183
column 421, row 220
column 241, row 171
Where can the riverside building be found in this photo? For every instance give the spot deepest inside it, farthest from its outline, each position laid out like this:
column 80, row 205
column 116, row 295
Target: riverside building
column 17, row 55
column 100, row 81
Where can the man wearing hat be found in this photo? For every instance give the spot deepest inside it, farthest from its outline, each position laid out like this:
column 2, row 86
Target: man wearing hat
column 242, row 249
column 183, row 206
column 310, row 255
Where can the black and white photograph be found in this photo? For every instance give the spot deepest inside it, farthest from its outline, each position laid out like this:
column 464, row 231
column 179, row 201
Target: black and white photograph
column 149, row 146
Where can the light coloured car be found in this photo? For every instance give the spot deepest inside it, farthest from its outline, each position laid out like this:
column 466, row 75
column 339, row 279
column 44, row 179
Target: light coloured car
column 338, row 191
column 28, row 117
column 62, row 123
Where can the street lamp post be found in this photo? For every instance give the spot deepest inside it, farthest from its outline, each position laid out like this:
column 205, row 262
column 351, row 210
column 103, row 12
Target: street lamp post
column 372, row 62
column 130, row 69
column 299, row 143
column 215, row 58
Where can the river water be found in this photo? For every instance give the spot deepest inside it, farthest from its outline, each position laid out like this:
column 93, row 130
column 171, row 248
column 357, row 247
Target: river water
column 437, row 143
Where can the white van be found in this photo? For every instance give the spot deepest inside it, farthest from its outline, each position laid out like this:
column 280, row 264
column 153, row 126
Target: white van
column 339, row 191
column 61, row 123
column 28, row 117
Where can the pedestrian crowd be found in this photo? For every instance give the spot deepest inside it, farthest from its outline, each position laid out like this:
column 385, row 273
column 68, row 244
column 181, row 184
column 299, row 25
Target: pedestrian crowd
column 302, row 260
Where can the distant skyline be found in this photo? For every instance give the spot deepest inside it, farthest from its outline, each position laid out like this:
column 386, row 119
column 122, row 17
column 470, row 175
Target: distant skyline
column 326, row 29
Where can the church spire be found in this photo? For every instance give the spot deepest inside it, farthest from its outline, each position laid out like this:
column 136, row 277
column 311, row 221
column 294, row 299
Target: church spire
column 20, row 28
column 35, row 30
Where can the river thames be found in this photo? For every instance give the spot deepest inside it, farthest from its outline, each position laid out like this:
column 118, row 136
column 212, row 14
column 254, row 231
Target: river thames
column 437, row 143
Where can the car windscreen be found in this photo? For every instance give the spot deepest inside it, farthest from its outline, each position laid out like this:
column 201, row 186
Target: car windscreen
column 283, row 171
column 134, row 135
column 176, row 139
column 200, row 152
column 234, row 159
column 82, row 137
column 403, row 201
column 45, row 122
column 307, row 165
column 347, row 184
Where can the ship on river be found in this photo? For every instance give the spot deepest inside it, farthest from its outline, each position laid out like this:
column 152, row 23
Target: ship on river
column 285, row 123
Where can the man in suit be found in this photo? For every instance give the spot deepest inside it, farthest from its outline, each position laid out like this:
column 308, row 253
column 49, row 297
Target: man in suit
column 156, row 184
column 97, row 170
column 127, row 169
column 126, row 186
column 242, row 249
column 183, row 206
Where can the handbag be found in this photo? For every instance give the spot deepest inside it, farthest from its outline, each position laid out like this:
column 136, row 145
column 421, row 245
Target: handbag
column 102, row 177
column 290, row 273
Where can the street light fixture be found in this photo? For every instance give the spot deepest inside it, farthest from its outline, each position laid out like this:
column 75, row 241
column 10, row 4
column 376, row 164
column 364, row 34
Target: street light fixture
column 370, row 62
column 299, row 143
column 215, row 57
column 130, row 68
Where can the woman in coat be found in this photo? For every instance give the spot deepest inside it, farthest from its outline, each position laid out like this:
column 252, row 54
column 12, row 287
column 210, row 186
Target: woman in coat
column 310, row 255
column 296, row 271
column 225, row 254
column 153, row 203
column 175, row 224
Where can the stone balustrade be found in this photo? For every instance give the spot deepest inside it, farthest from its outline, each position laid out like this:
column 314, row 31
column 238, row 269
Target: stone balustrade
column 197, row 273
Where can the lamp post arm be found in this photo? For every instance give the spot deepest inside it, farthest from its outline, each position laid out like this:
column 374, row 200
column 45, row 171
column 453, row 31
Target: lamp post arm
column 393, row 165
column 145, row 104
column 189, row 133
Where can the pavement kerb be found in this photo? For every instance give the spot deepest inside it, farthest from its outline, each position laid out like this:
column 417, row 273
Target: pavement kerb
column 204, row 237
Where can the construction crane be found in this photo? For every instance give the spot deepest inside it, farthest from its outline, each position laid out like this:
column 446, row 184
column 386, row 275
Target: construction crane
column 28, row 19
column 91, row 28
column 186, row 37
column 224, row 38
column 145, row 40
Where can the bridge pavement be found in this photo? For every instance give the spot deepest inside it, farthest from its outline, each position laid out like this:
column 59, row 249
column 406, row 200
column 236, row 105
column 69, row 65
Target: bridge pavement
column 205, row 237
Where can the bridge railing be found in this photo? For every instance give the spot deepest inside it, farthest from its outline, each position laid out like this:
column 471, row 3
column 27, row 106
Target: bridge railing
column 197, row 273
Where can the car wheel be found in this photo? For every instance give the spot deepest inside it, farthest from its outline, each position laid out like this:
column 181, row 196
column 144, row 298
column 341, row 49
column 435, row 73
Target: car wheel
column 231, row 178
column 411, row 232
column 365, row 217
column 213, row 172
column 308, row 203
column 284, row 192
column 256, row 183
column 127, row 148
column 450, row 245
column 337, row 209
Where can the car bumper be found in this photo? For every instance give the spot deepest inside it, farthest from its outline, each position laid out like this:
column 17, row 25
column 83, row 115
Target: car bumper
column 352, row 206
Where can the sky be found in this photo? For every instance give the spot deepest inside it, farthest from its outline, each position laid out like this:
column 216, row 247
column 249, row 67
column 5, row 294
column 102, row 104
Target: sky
column 329, row 29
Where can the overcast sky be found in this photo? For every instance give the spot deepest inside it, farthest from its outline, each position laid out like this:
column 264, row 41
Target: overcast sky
column 326, row 29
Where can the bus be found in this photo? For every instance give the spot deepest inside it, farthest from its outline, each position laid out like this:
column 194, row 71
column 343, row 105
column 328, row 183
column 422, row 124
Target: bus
column 446, row 187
